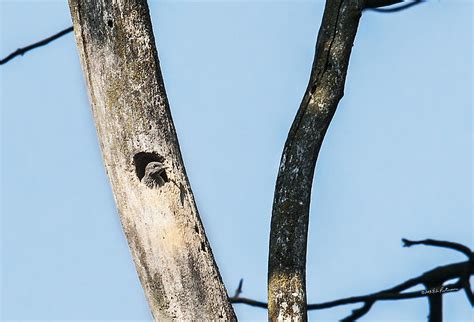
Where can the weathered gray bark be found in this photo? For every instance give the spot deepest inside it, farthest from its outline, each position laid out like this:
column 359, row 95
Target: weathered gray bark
column 289, row 226
column 167, row 240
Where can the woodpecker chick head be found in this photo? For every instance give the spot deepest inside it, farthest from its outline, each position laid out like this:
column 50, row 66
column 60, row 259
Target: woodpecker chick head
column 154, row 167
column 154, row 175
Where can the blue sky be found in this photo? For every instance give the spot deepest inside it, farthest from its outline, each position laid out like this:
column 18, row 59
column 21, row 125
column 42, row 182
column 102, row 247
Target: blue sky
column 396, row 162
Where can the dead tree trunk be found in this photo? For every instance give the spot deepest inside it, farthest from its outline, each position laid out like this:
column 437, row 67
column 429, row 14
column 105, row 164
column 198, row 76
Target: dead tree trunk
column 143, row 161
column 289, row 226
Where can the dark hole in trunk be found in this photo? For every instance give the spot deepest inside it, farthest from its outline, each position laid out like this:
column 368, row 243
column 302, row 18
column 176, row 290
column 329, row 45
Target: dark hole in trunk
column 142, row 159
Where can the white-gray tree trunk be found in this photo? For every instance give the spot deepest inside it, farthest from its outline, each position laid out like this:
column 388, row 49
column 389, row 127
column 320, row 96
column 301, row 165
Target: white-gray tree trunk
column 167, row 240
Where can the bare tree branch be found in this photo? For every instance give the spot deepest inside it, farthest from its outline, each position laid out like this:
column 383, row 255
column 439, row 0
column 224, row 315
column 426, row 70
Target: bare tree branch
column 290, row 215
column 432, row 281
column 384, row 295
column 238, row 291
column 370, row 4
column 377, row 5
column 244, row 300
column 374, row 5
column 440, row 243
column 22, row 51
column 357, row 313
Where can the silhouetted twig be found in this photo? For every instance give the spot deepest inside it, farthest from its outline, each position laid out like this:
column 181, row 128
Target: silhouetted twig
column 22, row 51
column 440, row 243
column 375, row 5
column 247, row 301
column 385, row 295
column 238, row 291
column 357, row 313
column 432, row 280
column 378, row 5
column 370, row 4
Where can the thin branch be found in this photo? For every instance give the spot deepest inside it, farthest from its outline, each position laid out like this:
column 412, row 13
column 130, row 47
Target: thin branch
column 372, row 5
column 432, row 280
column 379, row 296
column 357, row 313
column 238, row 291
column 385, row 295
column 236, row 299
column 22, row 51
column 440, row 243
column 247, row 301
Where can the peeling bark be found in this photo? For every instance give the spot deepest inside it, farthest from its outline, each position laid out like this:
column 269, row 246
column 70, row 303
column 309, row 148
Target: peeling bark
column 290, row 217
column 134, row 125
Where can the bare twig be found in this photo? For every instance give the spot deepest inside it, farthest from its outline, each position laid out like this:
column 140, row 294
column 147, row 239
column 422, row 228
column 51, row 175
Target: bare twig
column 379, row 296
column 370, row 4
column 378, row 5
column 238, row 291
column 432, row 280
column 440, row 243
column 22, row 51
column 375, row 5
column 244, row 300
column 357, row 313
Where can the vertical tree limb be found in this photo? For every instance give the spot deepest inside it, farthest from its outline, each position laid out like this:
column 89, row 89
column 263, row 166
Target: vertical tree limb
column 435, row 302
column 289, row 225
column 135, row 129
